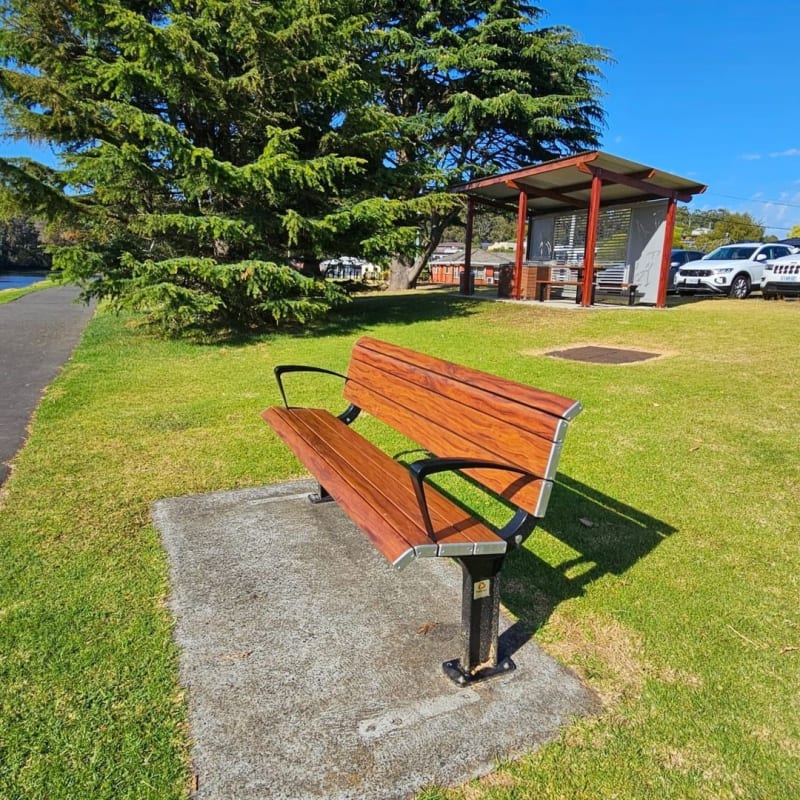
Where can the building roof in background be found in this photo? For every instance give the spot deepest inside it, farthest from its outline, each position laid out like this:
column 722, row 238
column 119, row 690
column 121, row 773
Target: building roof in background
column 479, row 258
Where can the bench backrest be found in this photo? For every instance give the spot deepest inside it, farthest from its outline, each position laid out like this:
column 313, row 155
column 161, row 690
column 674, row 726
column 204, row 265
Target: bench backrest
column 613, row 275
column 455, row 411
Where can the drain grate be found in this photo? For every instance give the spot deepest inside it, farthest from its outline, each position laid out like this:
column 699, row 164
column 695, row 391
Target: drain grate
column 603, row 355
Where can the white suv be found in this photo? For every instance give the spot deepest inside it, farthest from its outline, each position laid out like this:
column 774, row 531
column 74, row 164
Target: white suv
column 733, row 269
column 781, row 277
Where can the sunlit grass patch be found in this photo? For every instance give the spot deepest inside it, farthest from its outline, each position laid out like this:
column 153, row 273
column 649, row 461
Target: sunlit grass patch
column 665, row 572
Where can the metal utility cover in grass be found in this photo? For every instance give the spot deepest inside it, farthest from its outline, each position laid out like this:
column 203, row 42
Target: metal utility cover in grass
column 313, row 667
column 603, row 355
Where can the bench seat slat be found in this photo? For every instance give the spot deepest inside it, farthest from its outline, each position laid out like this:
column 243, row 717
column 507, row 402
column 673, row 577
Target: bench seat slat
column 454, row 528
column 356, row 497
column 352, row 470
column 456, row 532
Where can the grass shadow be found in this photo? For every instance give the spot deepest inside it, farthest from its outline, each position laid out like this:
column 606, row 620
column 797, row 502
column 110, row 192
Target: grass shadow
column 596, row 535
column 585, row 536
column 363, row 313
column 394, row 308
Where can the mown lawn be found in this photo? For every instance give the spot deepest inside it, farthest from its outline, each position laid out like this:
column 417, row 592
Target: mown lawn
column 9, row 295
column 679, row 605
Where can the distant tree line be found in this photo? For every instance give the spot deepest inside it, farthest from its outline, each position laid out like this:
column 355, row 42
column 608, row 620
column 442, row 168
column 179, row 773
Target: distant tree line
column 706, row 229
column 21, row 245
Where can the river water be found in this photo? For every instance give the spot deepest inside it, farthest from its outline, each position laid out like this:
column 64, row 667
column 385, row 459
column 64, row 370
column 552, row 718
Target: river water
column 18, row 280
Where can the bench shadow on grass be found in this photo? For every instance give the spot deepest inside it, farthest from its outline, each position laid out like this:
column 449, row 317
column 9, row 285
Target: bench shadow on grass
column 617, row 537
column 585, row 536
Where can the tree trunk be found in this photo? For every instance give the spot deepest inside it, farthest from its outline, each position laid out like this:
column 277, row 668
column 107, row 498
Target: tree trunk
column 402, row 273
column 404, row 270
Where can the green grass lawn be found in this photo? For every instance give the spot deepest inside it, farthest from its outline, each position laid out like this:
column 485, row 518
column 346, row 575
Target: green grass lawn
column 679, row 605
column 7, row 295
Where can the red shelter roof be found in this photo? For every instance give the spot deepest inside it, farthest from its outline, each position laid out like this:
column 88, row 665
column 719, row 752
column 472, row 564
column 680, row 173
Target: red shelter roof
column 566, row 183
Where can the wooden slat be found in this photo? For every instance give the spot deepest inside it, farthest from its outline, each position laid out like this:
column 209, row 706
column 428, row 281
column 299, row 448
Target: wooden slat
column 381, row 393
column 395, row 548
column 445, row 443
column 549, row 402
column 376, row 491
column 387, row 485
column 460, row 403
column 454, row 529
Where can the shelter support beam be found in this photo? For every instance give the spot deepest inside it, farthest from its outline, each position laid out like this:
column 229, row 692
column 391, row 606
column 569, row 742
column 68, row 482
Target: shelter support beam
column 519, row 256
column 666, row 254
column 466, row 280
column 591, row 241
column 536, row 191
column 633, row 183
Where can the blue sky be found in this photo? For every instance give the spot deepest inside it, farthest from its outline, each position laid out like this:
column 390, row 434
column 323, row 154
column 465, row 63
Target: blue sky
column 707, row 90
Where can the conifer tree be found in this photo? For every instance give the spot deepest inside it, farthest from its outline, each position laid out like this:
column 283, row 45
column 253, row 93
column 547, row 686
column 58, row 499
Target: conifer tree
column 204, row 143
column 198, row 142
column 475, row 88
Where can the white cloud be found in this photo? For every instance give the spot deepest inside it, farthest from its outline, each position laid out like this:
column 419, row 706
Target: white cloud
column 750, row 156
column 792, row 151
column 778, row 215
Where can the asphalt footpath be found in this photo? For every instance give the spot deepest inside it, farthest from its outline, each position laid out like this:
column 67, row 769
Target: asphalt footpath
column 313, row 668
column 38, row 333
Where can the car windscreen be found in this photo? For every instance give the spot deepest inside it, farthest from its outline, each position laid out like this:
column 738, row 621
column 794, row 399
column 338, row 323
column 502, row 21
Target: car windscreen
column 730, row 253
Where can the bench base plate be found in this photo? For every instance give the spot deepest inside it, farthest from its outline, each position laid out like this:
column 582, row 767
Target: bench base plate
column 456, row 674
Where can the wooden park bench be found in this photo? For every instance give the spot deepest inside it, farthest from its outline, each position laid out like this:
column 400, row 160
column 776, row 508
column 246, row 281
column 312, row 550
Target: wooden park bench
column 503, row 435
column 558, row 278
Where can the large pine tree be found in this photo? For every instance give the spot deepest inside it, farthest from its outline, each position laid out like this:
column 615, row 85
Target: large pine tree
column 199, row 148
column 475, row 88
column 204, row 143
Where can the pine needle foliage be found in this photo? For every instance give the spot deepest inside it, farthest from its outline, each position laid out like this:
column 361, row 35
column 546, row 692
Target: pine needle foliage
column 474, row 89
column 194, row 143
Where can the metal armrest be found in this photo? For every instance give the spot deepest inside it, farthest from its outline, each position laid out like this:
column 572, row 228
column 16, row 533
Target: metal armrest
column 347, row 416
column 514, row 532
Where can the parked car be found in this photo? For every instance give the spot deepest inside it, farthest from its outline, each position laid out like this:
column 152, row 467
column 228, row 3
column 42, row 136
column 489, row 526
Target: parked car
column 781, row 277
column 677, row 259
column 733, row 269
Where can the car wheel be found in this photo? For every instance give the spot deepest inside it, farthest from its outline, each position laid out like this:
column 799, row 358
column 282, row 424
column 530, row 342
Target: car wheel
column 740, row 287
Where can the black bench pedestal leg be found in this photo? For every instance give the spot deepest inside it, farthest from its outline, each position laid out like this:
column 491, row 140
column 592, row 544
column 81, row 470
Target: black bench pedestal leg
column 321, row 496
column 480, row 614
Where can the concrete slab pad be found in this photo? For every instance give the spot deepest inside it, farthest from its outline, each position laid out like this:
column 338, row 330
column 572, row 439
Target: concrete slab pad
column 313, row 668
